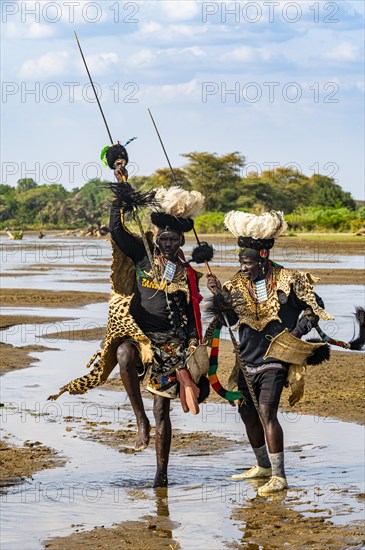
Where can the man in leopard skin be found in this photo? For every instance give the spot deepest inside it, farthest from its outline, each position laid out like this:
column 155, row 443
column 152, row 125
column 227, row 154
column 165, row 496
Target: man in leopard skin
column 265, row 299
column 165, row 314
column 154, row 316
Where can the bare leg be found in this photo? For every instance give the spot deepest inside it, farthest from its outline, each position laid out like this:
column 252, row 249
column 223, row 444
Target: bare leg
column 128, row 359
column 254, row 429
column 161, row 411
column 273, row 430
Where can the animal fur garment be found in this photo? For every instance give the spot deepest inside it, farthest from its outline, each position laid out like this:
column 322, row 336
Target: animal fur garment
column 320, row 354
column 358, row 343
column 265, row 226
column 178, row 202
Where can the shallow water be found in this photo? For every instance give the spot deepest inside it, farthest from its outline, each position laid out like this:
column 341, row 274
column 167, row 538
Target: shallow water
column 54, row 252
column 98, row 485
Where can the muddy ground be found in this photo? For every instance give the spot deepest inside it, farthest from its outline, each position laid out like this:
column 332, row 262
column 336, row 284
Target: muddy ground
column 49, row 298
column 14, row 358
column 18, row 463
column 326, row 276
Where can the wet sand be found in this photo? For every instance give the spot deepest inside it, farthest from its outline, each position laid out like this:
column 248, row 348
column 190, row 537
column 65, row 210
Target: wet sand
column 154, row 533
column 18, row 463
column 327, row 276
column 267, row 524
column 14, row 358
column 190, row 444
column 49, row 298
column 7, row 321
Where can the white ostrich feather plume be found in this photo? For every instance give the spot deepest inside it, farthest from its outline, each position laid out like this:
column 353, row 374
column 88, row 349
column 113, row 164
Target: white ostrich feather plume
column 266, row 226
column 178, row 202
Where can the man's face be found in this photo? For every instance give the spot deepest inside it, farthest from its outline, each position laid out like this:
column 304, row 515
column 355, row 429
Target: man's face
column 250, row 267
column 169, row 243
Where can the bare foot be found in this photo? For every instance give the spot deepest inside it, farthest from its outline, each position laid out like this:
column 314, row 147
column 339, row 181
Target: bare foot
column 143, row 437
column 160, row 480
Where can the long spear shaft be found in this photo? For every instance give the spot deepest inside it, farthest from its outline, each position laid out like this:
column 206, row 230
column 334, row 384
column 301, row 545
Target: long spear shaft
column 233, row 339
column 144, row 239
column 93, row 87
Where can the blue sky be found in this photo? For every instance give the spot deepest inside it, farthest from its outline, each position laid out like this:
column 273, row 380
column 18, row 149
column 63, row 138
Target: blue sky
column 281, row 82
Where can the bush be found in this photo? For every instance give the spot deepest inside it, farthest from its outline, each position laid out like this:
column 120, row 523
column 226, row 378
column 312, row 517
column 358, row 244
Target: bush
column 322, row 219
column 210, row 222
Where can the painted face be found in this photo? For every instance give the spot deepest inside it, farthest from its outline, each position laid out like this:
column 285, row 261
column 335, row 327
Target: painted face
column 169, row 243
column 250, row 267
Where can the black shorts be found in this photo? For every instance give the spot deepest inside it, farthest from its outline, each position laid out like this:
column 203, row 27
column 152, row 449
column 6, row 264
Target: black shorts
column 267, row 386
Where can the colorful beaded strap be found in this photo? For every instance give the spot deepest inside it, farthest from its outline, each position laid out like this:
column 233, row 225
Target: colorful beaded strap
column 213, row 367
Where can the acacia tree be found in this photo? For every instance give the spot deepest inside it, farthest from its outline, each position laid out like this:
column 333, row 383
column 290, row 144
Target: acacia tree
column 217, row 177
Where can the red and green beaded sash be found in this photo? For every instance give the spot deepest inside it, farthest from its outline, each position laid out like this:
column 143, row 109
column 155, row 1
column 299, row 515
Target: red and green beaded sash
column 213, row 367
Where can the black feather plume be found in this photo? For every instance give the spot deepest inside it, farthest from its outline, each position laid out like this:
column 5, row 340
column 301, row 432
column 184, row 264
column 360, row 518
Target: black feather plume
column 220, row 303
column 320, row 354
column 204, row 252
column 128, row 199
column 358, row 343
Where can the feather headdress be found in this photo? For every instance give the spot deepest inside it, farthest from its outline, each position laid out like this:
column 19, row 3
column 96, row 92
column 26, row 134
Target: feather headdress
column 176, row 208
column 178, row 202
column 266, row 226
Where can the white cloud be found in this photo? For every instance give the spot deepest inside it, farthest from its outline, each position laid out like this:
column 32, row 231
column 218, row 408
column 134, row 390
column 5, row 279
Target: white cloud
column 343, row 52
column 170, row 33
column 49, row 64
column 142, row 58
column 247, row 54
column 29, row 30
column 100, row 63
column 178, row 91
column 178, row 10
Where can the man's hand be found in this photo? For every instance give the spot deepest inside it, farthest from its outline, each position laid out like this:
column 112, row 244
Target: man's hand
column 192, row 345
column 305, row 323
column 213, row 283
column 120, row 171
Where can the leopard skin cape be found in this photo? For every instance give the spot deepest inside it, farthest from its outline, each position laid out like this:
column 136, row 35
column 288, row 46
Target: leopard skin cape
column 259, row 315
column 121, row 325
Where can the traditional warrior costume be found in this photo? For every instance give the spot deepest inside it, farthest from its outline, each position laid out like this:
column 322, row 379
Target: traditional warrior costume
column 164, row 312
column 267, row 310
column 161, row 317
column 267, row 307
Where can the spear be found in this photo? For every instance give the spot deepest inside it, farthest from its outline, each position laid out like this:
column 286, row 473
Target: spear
column 233, row 339
column 136, row 217
column 93, row 87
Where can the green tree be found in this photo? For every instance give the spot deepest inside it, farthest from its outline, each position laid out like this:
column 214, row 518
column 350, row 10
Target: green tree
column 25, row 184
column 329, row 194
column 91, row 202
column 217, row 177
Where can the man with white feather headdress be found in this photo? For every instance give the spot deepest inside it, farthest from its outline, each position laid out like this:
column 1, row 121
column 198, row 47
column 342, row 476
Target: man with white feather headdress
column 154, row 316
column 267, row 301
